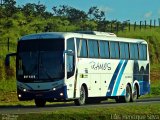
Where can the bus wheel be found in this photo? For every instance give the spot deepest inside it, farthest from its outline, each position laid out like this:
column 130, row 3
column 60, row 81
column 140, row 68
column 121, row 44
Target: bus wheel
column 40, row 102
column 82, row 98
column 127, row 97
column 134, row 94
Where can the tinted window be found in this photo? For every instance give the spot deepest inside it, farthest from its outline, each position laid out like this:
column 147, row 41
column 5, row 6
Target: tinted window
column 70, row 44
column 122, row 51
column 93, row 48
column 114, row 50
column 70, row 58
column 41, row 45
column 142, row 52
column 136, row 50
column 104, row 49
column 126, row 45
column 81, row 48
column 133, row 51
column 145, row 52
column 40, row 60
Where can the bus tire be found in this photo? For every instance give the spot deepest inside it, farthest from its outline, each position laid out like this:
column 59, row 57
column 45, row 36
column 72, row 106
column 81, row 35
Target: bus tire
column 134, row 94
column 40, row 102
column 127, row 97
column 82, row 99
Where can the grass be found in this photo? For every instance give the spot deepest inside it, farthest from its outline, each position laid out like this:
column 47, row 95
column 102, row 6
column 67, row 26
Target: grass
column 128, row 111
column 155, row 89
column 7, row 86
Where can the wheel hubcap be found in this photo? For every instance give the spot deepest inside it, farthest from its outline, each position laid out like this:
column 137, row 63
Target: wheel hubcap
column 135, row 92
column 128, row 93
column 82, row 96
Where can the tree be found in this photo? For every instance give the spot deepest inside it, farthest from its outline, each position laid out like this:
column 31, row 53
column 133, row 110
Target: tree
column 8, row 24
column 1, row 12
column 102, row 25
column 47, row 15
column 10, row 7
column 96, row 14
column 61, row 10
column 71, row 13
column 29, row 9
column 40, row 9
column 54, row 8
column 50, row 27
column 91, row 11
column 76, row 15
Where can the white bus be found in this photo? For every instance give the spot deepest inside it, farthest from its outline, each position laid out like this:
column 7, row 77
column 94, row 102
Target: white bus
column 86, row 67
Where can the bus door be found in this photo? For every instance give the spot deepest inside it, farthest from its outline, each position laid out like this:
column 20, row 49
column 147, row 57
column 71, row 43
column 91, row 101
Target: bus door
column 70, row 67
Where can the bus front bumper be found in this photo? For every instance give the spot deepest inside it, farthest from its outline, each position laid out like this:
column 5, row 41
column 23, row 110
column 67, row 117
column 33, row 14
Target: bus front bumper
column 48, row 95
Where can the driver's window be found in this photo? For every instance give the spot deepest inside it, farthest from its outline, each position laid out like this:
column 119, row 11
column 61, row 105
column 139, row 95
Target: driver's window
column 70, row 58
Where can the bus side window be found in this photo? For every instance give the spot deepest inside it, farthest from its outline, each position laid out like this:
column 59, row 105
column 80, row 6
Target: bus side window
column 81, row 48
column 133, row 51
column 122, row 51
column 93, row 48
column 136, row 51
column 114, row 50
column 145, row 52
column 104, row 49
column 132, row 54
column 142, row 52
column 126, row 47
column 70, row 58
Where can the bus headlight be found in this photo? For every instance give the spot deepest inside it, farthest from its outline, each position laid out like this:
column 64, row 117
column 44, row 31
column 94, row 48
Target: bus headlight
column 54, row 89
column 61, row 94
column 19, row 95
column 24, row 90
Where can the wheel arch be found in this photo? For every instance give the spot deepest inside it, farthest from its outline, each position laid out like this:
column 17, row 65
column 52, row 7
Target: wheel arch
column 138, row 86
column 86, row 88
column 129, row 85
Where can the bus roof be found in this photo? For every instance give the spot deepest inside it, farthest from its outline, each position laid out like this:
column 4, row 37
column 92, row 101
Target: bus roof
column 66, row 35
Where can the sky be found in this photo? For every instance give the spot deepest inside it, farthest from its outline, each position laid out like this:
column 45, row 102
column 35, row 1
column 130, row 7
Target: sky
column 121, row 10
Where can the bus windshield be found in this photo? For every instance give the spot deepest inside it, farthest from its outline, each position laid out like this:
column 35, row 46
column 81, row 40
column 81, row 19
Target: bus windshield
column 40, row 60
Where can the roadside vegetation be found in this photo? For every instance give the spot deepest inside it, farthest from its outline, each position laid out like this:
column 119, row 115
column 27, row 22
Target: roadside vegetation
column 127, row 112
column 34, row 18
column 17, row 21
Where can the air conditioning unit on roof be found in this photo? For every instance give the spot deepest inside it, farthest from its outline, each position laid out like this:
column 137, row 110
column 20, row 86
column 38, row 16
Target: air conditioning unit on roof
column 97, row 33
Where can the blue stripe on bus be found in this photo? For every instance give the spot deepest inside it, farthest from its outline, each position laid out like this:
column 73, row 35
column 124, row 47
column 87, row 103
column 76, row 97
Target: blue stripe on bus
column 119, row 79
column 114, row 78
column 123, row 93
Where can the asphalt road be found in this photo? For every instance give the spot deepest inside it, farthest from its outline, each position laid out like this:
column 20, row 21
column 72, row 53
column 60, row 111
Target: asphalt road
column 32, row 109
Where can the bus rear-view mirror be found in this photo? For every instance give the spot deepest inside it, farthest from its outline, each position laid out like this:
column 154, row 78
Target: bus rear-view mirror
column 7, row 59
column 69, row 52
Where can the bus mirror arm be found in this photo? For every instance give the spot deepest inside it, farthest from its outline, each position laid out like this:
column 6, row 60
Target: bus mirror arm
column 7, row 59
column 69, row 52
